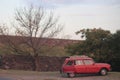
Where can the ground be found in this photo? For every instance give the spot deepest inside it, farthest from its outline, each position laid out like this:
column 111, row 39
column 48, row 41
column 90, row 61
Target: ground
column 31, row 75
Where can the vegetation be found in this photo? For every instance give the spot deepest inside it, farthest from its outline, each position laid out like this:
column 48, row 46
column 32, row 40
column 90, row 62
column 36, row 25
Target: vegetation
column 100, row 44
column 114, row 44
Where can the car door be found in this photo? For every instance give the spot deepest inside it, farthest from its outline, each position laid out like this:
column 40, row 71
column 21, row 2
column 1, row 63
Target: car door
column 69, row 66
column 90, row 67
column 79, row 66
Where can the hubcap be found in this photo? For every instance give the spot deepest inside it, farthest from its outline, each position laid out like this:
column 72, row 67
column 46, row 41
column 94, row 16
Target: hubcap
column 103, row 72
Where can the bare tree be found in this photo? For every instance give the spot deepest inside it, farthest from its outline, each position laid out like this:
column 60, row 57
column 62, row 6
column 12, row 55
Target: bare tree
column 32, row 25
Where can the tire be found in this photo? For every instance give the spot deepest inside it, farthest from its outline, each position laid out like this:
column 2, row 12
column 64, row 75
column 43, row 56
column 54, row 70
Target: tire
column 103, row 72
column 71, row 75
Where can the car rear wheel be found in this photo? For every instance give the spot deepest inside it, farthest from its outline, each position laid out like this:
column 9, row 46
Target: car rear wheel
column 71, row 75
column 103, row 72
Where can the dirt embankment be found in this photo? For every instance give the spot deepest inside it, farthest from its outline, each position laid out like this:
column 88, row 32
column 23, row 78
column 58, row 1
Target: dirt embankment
column 21, row 62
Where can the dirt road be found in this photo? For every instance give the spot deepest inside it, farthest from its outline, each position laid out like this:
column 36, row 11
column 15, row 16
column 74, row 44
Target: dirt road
column 30, row 75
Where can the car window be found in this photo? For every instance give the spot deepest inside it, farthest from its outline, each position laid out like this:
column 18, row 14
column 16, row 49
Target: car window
column 69, row 63
column 79, row 62
column 88, row 62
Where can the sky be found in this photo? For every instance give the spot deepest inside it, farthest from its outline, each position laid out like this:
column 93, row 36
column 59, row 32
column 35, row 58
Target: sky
column 74, row 14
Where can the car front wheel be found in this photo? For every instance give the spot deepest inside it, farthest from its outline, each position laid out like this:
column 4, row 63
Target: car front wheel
column 103, row 72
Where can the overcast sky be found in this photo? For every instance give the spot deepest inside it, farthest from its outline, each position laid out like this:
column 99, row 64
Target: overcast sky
column 75, row 14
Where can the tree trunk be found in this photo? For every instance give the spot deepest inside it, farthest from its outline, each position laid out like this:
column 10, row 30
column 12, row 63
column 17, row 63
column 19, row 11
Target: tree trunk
column 35, row 63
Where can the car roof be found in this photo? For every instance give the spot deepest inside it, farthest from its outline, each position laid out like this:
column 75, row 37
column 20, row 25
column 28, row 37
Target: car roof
column 78, row 57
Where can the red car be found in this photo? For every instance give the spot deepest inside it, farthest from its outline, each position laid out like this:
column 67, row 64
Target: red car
column 83, row 64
